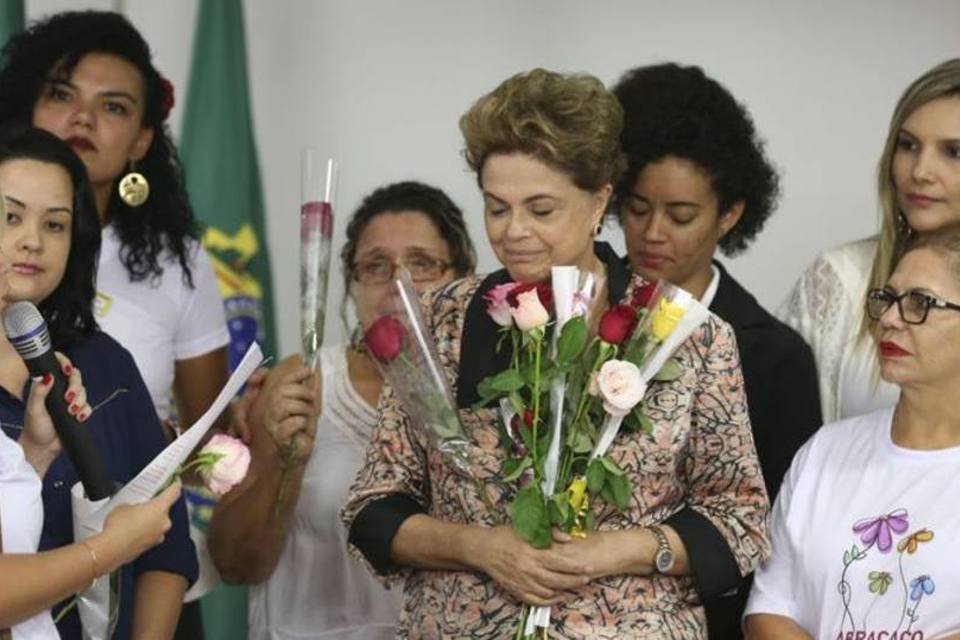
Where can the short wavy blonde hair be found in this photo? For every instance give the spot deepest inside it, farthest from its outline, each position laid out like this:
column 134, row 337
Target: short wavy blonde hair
column 568, row 121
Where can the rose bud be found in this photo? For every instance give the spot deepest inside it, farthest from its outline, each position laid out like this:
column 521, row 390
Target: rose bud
column 230, row 467
column 643, row 294
column 384, row 339
column 617, row 324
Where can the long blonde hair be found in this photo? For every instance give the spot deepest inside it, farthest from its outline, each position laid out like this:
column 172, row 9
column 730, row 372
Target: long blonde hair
column 941, row 81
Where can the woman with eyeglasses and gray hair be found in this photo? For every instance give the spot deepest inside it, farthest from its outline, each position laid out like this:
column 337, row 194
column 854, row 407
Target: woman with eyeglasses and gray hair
column 864, row 528
column 295, row 553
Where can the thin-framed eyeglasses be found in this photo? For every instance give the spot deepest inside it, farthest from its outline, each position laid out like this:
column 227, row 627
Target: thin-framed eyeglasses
column 913, row 305
column 379, row 271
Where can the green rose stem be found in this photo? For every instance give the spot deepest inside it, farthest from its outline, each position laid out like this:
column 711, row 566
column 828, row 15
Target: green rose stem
column 568, row 456
column 537, row 335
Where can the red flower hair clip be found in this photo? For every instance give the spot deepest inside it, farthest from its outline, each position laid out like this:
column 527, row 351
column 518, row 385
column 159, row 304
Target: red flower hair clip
column 166, row 98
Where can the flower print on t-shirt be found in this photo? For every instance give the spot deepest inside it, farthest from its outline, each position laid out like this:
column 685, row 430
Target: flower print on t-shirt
column 888, row 585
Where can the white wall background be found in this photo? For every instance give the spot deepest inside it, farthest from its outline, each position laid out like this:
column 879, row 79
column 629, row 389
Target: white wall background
column 380, row 85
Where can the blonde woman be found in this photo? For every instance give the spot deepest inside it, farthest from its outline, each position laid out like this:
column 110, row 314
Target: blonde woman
column 919, row 188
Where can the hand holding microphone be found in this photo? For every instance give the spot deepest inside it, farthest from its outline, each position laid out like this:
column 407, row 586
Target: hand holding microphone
column 27, row 332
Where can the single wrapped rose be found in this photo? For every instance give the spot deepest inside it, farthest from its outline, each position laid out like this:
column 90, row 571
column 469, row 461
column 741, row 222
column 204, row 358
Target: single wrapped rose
column 617, row 324
column 384, row 339
column 230, row 461
column 497, row 306
column 642, row 295
column 665, row 319
column 621, row 386
column 529, row 313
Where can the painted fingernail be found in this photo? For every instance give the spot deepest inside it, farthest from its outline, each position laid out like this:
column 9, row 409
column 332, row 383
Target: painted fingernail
column 83, row 418
column 67, row 369
column 47, row 379
column 70, row 396
column 74, row 408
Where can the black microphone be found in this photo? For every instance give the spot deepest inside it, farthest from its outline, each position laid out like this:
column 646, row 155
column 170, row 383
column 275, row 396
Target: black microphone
column 27, row 332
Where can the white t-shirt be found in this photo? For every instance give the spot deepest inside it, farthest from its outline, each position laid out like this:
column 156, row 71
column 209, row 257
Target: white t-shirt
column 21, row 519
column 864, row 536
column 162, row 320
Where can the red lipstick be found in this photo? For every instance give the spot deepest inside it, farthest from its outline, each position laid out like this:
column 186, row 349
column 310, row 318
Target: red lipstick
column 892, row 350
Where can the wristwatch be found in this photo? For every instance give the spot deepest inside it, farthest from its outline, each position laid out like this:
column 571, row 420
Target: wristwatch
column 664, row 558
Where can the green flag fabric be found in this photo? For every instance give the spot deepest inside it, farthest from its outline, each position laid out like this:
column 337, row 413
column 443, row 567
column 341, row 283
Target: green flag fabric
column 223, row 181
column 11, row 19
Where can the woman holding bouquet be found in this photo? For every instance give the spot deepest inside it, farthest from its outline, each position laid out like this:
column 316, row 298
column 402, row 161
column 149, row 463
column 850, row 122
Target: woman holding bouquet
column 51, row 239
column 864, row 528
column 288, row 541
column 546, row 151
column 697, row 180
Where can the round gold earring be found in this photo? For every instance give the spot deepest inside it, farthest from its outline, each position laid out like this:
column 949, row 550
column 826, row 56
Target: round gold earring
column 134, row 188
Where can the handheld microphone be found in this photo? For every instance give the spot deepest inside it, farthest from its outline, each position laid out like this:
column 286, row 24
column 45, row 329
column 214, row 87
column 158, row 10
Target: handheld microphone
column 27, row 332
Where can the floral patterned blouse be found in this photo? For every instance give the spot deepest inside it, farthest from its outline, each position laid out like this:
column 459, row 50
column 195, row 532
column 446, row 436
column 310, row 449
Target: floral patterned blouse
column 700, row 461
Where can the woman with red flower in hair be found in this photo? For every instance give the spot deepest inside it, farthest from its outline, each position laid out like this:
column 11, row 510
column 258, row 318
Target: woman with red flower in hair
column 546, row 152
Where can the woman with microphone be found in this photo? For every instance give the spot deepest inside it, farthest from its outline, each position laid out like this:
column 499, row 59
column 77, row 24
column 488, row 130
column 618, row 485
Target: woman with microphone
column 51, row 241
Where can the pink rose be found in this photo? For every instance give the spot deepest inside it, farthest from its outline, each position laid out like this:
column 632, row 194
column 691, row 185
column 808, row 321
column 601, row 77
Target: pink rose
column 529, row 314
column 621, row 386
column 497, row 305
column 384, row 339
column 230, row 466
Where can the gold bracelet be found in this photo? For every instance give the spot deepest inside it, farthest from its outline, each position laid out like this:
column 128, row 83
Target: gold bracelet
column 93, row 561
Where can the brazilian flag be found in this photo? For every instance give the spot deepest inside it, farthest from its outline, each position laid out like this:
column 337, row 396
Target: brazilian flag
column 223, row 180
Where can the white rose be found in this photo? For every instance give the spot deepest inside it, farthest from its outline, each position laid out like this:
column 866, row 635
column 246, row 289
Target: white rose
column 621, row 386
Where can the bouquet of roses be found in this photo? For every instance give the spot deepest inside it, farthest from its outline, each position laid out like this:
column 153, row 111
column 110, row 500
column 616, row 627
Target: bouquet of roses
column 585, row 389
column 404, row 353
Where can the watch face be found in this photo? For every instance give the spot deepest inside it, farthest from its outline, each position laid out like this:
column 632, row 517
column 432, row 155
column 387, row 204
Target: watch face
column 665, row 560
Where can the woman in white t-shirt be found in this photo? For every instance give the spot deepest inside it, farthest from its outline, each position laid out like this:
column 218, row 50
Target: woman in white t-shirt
column 292, row 547
column 826, row 304
column 865, row 529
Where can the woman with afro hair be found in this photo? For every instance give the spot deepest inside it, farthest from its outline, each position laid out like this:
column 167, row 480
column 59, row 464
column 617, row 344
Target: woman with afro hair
column 697, row 180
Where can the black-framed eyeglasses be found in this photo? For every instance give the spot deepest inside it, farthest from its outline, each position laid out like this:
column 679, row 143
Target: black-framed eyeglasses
column 421, row 268
column 912, row 305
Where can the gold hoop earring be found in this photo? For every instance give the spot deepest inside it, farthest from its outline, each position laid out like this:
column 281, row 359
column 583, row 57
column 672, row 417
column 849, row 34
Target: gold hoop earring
column 134, row 188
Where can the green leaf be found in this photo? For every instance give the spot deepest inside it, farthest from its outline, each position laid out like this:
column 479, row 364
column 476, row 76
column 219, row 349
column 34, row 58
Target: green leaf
column 596, row 474
column 542, row 537
column 620, row 488
column 559, row 509
column 516, row 400
column 611, row 466
column 607, row 493
column 506, row 381
column 513, row 468
column 670, row 371
column 645, row 425
column 581, row 442
column 590, row 521
column 527, row 512
column 572, row 338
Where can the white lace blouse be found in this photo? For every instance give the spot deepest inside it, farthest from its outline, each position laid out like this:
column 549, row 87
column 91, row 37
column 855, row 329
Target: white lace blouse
column 826, row 308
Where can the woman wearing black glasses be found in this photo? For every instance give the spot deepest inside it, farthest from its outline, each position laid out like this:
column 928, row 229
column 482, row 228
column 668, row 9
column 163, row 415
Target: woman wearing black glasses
column 296, row 552
column 864, row 528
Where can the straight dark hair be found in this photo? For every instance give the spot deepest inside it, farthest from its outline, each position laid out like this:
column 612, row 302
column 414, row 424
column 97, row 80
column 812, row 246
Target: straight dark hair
column 68, row 310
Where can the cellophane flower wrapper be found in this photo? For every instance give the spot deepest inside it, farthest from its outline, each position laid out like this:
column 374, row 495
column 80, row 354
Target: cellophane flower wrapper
column 672, row 316
column 415, row 375
column 99, row 605
column 316, row 232
column 574, row 294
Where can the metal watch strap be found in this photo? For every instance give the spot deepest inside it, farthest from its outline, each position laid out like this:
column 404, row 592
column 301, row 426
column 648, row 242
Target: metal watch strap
column 663, row 544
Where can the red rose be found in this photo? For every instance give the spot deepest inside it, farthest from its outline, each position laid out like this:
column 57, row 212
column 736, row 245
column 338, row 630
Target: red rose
column 544, row 293
column 617, row 324
column 384, row 339
column 515, row 429
column 642, row 295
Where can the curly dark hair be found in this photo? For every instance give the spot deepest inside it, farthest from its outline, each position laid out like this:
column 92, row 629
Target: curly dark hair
column 412, row 196
column 50, row 50
column 673, row 110
column 68, row 310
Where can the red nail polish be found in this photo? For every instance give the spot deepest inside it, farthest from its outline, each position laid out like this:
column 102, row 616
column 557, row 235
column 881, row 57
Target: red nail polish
column 74, row 408
column 70, row 396
column 47, row 379
column 67, row 369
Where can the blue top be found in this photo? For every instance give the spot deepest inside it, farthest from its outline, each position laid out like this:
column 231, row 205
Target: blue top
column 127, row 432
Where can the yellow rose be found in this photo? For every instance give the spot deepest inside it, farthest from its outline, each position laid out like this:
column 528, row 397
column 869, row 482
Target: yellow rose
column 578, row 493
column 665, row 319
